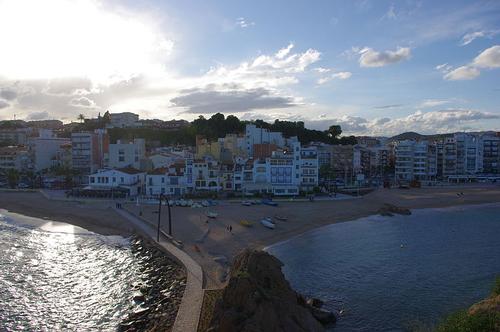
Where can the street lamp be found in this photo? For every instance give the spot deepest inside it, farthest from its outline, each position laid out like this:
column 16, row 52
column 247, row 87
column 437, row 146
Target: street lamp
column 159, row 218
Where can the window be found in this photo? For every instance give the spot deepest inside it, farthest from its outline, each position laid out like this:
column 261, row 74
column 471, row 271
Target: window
column 121, row 179
column 92, row 180
column 162, row 180
column 114, row 179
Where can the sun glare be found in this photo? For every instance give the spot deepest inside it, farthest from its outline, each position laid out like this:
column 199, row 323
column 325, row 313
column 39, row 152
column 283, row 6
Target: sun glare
column 61, row 38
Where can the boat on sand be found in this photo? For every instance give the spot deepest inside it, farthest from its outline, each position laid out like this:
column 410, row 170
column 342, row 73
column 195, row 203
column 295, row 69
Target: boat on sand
column 266, row 222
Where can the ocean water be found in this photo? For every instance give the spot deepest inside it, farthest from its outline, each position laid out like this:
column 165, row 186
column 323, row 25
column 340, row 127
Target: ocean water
column 395, row 273
column 58, row 277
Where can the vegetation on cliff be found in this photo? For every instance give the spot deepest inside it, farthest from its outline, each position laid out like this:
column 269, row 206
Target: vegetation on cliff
column 482, row 316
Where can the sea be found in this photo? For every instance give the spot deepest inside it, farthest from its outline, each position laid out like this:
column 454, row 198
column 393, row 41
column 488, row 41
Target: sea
column 400, row 273
column 59, row 277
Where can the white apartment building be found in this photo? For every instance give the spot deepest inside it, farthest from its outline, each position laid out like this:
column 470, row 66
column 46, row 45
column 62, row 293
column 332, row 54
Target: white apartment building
column 46, row 148
column 124, row 120
column 169, row 181
column 125, row 178
column 127, row 154
column 415, row 161
column 309, row 167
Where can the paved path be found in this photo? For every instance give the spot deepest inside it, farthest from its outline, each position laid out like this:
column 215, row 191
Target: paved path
column 189, row 310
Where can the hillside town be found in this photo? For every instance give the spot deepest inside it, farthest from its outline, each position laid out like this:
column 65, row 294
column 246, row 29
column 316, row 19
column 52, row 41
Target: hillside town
column 106, row 157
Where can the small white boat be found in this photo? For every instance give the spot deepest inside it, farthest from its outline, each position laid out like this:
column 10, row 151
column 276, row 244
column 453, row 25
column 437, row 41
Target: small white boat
column 266, row 223
column 190, row 202
column 183, row 202
column 212, row 214
column 205, row 203
column 246, row 203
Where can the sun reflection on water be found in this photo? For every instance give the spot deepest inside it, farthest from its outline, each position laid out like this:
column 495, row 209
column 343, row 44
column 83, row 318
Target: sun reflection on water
column 57, row 278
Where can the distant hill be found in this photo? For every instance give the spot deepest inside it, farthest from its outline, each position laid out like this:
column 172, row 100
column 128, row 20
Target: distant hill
column 410, row 135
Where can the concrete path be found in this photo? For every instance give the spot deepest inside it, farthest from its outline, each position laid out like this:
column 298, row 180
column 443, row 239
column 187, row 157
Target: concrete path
column 190, row 308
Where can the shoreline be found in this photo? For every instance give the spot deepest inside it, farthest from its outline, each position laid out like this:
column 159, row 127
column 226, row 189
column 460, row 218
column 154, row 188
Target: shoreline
column 424, row 209
column 213, row 247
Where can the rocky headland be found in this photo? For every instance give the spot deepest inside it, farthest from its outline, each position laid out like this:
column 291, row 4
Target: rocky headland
column 258, row 298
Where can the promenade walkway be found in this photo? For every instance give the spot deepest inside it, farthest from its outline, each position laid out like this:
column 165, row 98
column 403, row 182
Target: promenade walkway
column 190, row 308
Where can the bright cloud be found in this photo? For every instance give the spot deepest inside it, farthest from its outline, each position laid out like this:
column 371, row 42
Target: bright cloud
column 471, row 36
column 487, row 59
column 340, row 75
column 422, row 122
column 433, row 103
column 371, row 58
column 83, row 38
column 462, row 73
column 244, row 23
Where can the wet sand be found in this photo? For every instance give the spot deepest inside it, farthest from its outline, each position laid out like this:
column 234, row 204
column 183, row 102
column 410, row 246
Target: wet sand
column 97, row 217
column 212, row 245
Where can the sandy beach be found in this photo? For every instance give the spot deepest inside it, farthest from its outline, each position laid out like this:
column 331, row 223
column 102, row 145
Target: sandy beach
column 213, row 246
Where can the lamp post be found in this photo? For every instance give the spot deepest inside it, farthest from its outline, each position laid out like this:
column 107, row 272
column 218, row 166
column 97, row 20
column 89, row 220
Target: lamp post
column 159, row 218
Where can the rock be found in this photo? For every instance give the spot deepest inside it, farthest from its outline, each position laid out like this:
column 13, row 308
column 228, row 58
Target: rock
column 258, row 298
column 323, row 316
column 389, row 210
column 139, row 297
column 316, row 303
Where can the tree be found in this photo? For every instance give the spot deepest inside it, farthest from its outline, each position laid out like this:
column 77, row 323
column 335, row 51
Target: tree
column 334, row 131
column 13, row 177
column 81, row 117
column 106, row 118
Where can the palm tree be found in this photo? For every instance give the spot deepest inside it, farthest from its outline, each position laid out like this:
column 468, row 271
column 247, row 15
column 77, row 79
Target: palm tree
column 81, row 117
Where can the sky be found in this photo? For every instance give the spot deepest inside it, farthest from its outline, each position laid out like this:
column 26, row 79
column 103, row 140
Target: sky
column 374, row 67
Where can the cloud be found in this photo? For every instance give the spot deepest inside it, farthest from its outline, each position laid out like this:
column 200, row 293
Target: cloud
column 321, row 70
column 38, row 116
column 243, row 23
column 423, row 122
column 433, row 103
column 4, row 104
column 340, row 75
column 82, row 102
column 8, row 94
column 391, row 13
column 371, row 58
column 462, row 73
column 471, row 36
column 489, row 58
column 231, row 101
column 284, row 51
column 383, row 107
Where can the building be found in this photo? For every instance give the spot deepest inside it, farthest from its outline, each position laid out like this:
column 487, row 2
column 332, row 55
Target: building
column 127, row 154
column 129, row 179
column 256, row 135
column 88, row 151
column 309, row 168
column 342, row 162
column 14, row 136
column 14, row 157
column 124, row 120
column 491, row 157
column 415, row 161
column 46, row 148
column 169, row 181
